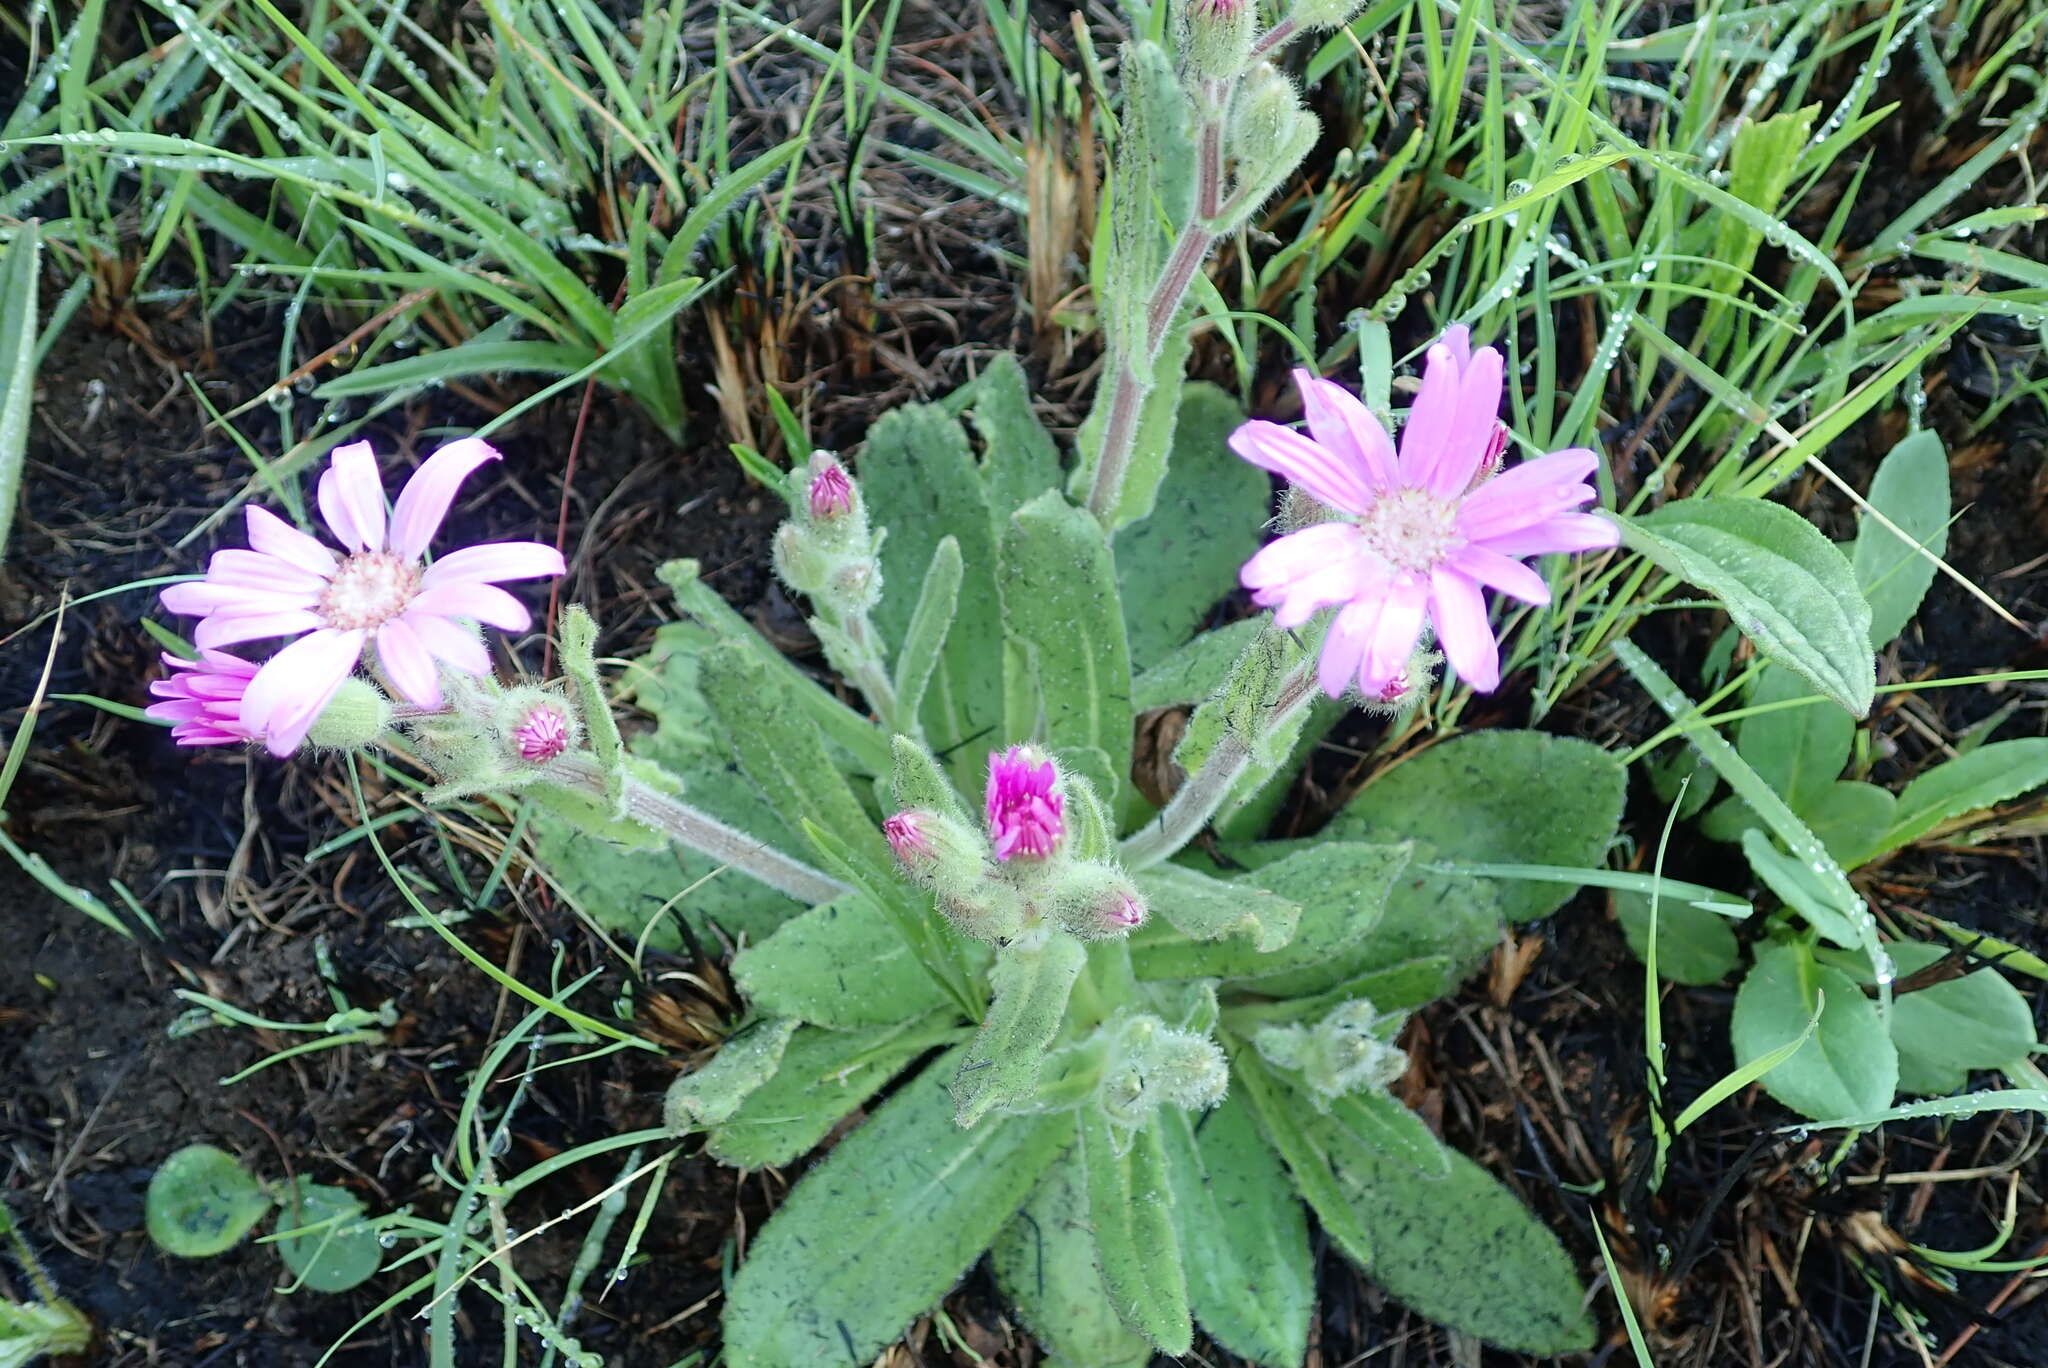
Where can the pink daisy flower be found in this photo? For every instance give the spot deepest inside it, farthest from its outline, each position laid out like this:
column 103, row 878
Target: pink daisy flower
column 831, row 492
column 1422, row 532
column 377, row 591
column 202, row 699
column 542, row 734
column 1025, row 812
column 907, row 837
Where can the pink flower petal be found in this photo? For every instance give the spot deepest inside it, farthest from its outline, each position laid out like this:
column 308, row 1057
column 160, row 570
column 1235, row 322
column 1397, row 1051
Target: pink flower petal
column 451, row 643
column 1472, row 425
column 1459, row 611
column 352, row 497
column 1344, row 648
column 222, row 630
column 1560, row 532
column 1496, row 571
column 1325, row 474
column 495, row 561
column 1457, row 340
column 1394, row 634
column 1528, row 493
column 1307, row 571
column 408, row 664
column 296, row 683
column 1427, row 431
column 255, row 570
column 1342, row 424
column 483, row 602
column 424, row 501
column 274, row 536
column 197, row 598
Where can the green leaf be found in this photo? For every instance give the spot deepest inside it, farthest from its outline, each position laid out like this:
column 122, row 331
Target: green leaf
column 1911, row 489
column 1341, row 889
column 1694, row 946
column 479, row 357
column 1802, row 890
column 1174, row 566
column 839, row 965
column 1197, row 670
column 823, row 1076
column 1061, row 611
column 1031, row 980
column 1848, row 1066
column 1044, row 1261
column 1499, row 797
column 18, row 347
column 343, row 1255
column 876, row 1234
column 921, row 483
column 1787, row 587
column 1970, row 783
column 1130, row 1204
column 1157, row 419
column 1243, row 1240
column 1798, row 751
column 201, row 1202
column 1850, row 817
column 711, row 1095
column 783, row 752
column 1978, row 1021
column 925, row 637
column 1019, row 459
column 1201, row 908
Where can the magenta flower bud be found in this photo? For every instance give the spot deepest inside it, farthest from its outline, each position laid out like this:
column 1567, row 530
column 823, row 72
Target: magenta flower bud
column 1216, row 35
column 202, row 699
column 1124, row 915
column 542, row 734
column 1026, row 812
column 910, row 840
column 831, row 493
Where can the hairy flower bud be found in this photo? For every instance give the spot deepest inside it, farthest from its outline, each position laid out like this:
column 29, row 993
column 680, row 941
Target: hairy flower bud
column 1324, row 14
column 826, row 550
column 358, row 716
column 1347, row 1051
column 831, row 493
column 1265, row 120
column 1215, row 36
column 1150, row 1064
column 537, row 725
column 1097, row 902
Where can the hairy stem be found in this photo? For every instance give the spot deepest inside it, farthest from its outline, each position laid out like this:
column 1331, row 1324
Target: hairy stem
column 1204, row 791
column 677, row 820
column 871, row 675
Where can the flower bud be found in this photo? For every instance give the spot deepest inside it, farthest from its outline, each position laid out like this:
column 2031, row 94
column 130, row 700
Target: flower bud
column 1324, row 14
column 1150, row 1064
column 831, row 493
column 799, row 561
column 1215, row 36
column 537, row 725
column 1264, row 117
column 355, row 718
column 1097, row 902
column 935, row 851
column 1343, row 1053
column 986, row 910
column 1025, row 807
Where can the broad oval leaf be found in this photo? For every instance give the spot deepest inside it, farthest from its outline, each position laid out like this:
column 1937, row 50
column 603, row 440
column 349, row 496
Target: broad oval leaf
column 1970, row 783
column 1978, row 1021
column 1498, row 797
column 1788, row 588
column 1694, row 946
column 1243, row 1238
column 840, row 965
column 202, row 1201
column 878, row 1232
column 1911, row 490
column 342, row 1254
column 1044, row 1261
column 1847, row 1067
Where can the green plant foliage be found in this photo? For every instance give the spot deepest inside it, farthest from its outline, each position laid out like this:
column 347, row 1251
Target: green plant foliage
column 342, row 1253
column 1060, row 612
column 202, row 1201
column 1911, row 489
column 1191, row 673
column 1978, row 1021
column 1970, row 783
column 18, row 347
column 1019, row 461
column 29, row 1330
column 839, row 965
column 1499, row 797
column 1340, row 891
column 1847, row 1067
column 1243, row 1238
column 922, row 485
column 1174, row 566
column 1788, row 588
column 1044, row 1261
column 1130, row 1205
column 1200, row 908
column 823, row 1076
column 713, row 1093
column 877, row 1233
column 1032, row 977
column 1799, row 751
column 1694, row 946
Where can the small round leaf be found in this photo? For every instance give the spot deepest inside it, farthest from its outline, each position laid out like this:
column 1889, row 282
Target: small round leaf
column 202, row 1202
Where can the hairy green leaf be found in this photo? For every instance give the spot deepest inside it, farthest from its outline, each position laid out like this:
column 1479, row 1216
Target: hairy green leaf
column 201, row 1202
column 839, row 965
column 1044, row 1261
column 1130, row 1204
column 1030, row 982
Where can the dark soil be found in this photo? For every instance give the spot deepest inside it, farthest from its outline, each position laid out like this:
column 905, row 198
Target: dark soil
column 1748, row 1254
